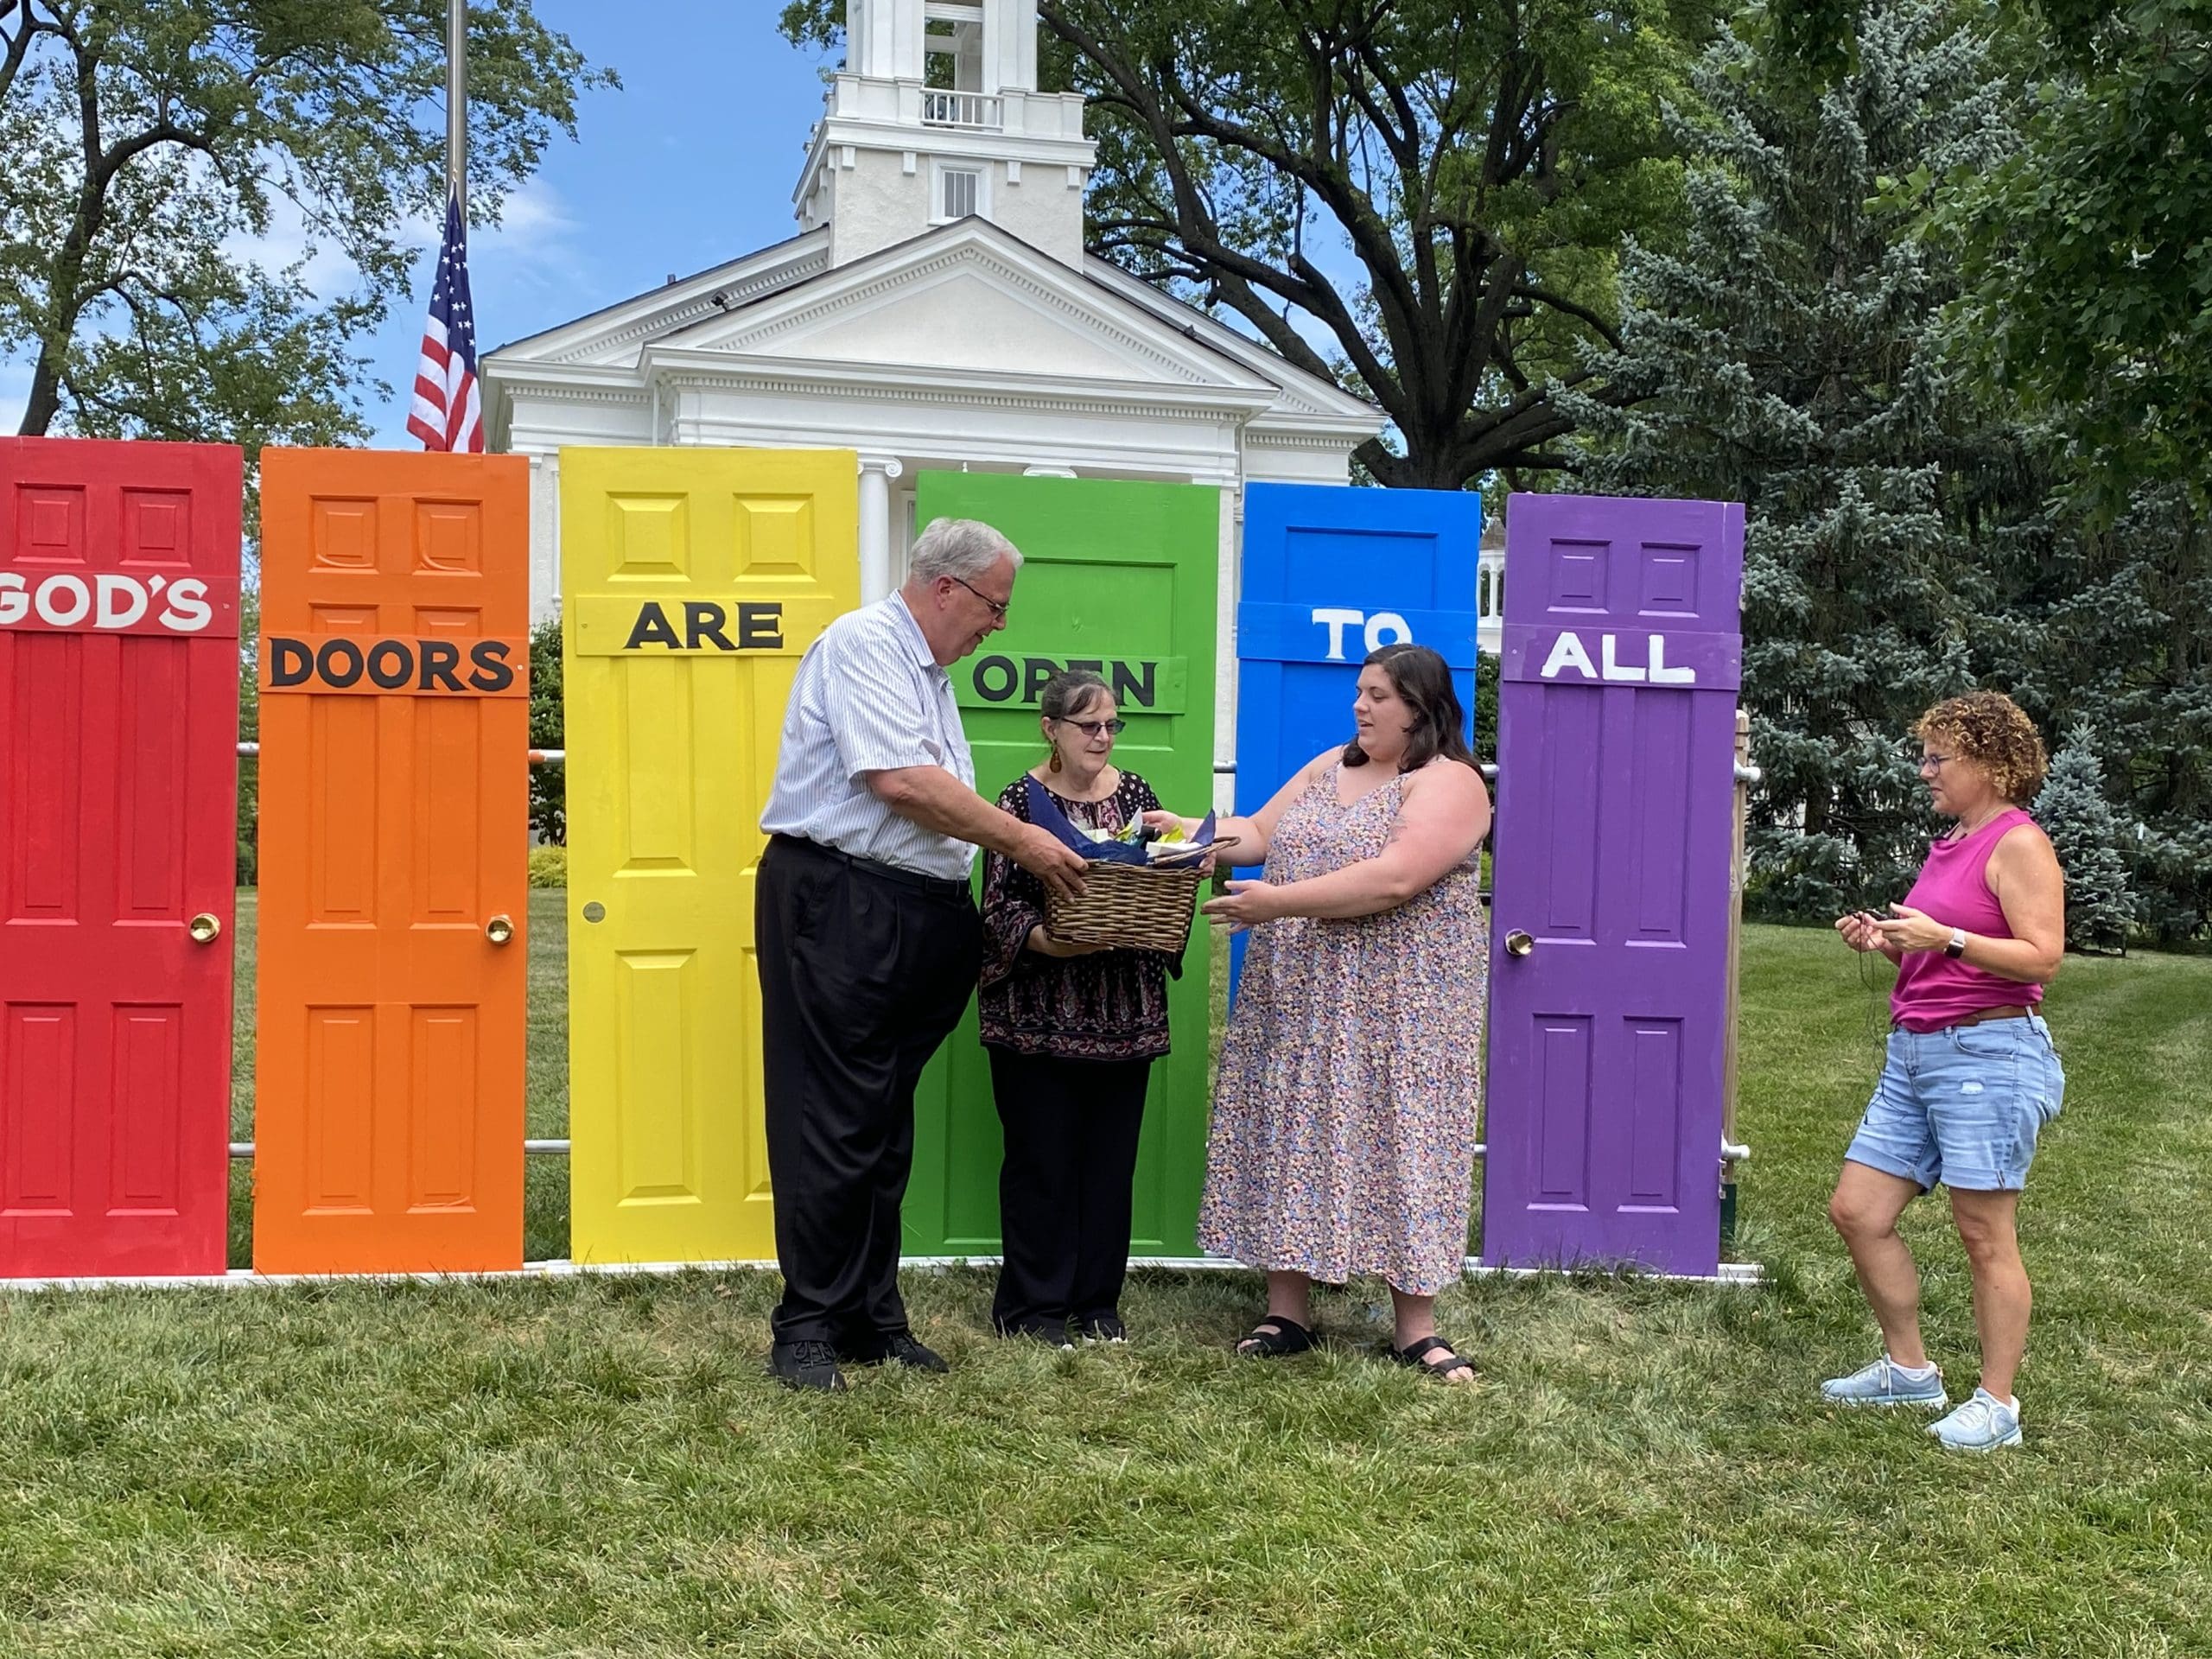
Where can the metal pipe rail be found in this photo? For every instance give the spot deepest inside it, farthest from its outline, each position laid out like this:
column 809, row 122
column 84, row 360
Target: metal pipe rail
column 537, row 757
column 1744, row 774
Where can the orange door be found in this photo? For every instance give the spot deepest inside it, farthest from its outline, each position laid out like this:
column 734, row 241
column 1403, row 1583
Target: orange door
column 395, row 712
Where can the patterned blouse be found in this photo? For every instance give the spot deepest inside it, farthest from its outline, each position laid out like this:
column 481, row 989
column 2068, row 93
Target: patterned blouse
column 1111, row 1005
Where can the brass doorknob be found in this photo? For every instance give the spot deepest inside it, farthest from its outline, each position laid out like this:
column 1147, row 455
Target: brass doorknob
column 1518, row 943
column 499, row 928
column 205, row 928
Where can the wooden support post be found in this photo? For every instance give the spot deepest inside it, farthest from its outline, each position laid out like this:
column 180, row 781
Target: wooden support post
column 1735, row 868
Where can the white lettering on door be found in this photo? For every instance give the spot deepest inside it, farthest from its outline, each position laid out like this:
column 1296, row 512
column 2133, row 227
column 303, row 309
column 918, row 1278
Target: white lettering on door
column 1662, row 675
column 1614, row 671
column 1569, row 652
column 1337, row 622
column 1383, row 628
column 1399, row 630
column 107, row 602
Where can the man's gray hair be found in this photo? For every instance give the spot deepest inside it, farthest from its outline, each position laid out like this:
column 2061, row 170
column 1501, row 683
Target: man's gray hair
column 963, row 547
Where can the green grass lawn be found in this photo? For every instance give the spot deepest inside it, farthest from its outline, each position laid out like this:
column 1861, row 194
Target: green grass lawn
column 599, row 1468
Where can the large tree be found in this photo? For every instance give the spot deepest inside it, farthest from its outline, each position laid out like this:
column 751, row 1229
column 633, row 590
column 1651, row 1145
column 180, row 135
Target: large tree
column 1423, row 198
column 1793, row 355
column 2091, row 249
column 151, row 145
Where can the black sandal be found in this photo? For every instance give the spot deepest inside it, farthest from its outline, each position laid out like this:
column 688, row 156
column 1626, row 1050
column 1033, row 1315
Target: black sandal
column 1434, row 1356
column 1288, row 1338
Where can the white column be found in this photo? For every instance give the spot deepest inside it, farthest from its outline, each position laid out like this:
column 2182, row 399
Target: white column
column 1009, row 46
column 544, row 536
column 876, row 473
column 1229, row 580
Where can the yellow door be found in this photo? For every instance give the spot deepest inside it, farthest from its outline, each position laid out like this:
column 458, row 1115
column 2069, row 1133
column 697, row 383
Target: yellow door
column 692, row 581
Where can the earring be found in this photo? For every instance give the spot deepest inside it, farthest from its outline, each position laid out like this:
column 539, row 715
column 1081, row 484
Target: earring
column 1054, row 765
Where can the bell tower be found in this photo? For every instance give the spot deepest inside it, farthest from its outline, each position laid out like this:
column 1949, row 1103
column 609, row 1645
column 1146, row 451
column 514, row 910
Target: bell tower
column 936, row 116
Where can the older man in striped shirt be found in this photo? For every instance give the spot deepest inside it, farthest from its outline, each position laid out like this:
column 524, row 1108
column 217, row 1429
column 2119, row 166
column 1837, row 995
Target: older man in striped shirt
column 867, row 938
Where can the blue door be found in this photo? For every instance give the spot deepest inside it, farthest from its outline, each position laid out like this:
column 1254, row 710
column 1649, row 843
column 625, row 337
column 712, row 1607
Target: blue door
column 1329, row 575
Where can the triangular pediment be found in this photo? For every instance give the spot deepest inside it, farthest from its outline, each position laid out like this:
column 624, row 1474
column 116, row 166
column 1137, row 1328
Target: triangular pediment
column 612, row 337
column 1302, row 396
column 970, row 297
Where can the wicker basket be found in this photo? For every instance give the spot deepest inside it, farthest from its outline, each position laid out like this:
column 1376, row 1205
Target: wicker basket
column 1133, row 906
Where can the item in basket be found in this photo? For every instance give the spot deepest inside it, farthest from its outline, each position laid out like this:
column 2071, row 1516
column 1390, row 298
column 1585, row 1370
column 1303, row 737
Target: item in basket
column 1130, row 845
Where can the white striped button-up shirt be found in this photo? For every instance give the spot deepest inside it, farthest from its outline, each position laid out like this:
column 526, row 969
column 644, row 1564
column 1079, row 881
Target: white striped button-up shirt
column 869, row 697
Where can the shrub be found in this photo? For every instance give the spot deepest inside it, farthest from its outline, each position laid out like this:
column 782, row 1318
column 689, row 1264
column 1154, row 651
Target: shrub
column 549, row 867
column 549, row 785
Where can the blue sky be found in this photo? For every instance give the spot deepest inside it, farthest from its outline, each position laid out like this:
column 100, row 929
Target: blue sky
column 691, row 163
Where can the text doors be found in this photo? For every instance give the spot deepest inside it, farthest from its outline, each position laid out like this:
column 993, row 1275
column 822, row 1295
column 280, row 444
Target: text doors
column 395, row 730
column 1119, row 577
column 1616, row 774
column 693, row 581
column 1330, row 574
column 119, row 781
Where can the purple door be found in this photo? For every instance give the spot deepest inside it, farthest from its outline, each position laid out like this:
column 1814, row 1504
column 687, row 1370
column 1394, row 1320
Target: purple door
column 1617, row 710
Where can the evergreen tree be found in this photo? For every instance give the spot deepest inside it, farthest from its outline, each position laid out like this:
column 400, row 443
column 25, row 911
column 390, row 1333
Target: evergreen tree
column 2089, row 835
column 2104, row 629
column 1791, row 356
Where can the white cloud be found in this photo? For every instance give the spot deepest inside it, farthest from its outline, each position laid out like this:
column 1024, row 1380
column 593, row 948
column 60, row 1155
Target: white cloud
column 288, row 239
column 533, row 249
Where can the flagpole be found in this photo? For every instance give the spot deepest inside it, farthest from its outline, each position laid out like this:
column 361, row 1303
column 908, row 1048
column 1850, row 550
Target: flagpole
column 457, row 103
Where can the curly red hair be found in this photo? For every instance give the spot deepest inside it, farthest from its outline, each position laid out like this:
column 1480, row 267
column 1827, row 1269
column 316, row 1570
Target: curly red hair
column 1988, row 728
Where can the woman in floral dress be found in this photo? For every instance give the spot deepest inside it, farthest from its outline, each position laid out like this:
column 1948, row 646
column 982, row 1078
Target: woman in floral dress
column 1073, row 1030
column 1345, row 1114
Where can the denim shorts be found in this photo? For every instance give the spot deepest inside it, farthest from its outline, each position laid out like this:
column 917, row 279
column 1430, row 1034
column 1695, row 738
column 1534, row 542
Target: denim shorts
column 1962, row 1105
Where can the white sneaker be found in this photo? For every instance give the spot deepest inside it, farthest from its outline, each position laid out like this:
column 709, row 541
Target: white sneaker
column 1883, row 1382
column 1980, row 1423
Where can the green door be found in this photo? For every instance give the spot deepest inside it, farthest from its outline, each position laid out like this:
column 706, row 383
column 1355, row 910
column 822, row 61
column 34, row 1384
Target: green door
column 1119, row 575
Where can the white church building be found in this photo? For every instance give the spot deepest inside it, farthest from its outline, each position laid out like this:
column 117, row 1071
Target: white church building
column 937, row 309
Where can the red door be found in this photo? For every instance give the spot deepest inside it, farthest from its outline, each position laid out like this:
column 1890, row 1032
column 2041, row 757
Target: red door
column 118, row 801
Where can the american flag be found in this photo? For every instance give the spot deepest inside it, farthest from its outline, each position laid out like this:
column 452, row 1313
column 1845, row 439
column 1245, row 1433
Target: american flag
column 446, row 414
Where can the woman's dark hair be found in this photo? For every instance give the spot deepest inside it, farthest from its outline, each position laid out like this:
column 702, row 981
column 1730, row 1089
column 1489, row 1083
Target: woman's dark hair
column 1423, row 681
column 1069, row 692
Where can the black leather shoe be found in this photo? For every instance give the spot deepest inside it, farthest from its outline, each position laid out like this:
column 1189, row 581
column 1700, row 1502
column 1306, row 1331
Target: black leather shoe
column 1101, row 1327
column 806, row 1365
column 899, row 1348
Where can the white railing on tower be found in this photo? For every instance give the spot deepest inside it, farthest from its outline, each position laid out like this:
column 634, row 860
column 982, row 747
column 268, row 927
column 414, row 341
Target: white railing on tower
column 982, row 109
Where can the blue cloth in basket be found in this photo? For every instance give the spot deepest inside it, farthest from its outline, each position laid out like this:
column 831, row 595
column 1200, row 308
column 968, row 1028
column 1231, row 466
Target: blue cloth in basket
column 1045, row 812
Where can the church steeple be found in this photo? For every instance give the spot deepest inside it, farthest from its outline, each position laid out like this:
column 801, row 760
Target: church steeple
column 936, row 116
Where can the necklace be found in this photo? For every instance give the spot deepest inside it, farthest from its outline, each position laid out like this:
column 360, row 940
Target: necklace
column 1966, row 830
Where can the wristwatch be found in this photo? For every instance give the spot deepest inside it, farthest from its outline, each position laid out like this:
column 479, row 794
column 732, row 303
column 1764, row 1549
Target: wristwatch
column 1957, row 946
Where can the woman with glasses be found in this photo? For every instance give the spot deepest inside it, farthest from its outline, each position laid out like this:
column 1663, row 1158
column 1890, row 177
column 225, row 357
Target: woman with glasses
column 1971, row 1075
column 1073, row 1030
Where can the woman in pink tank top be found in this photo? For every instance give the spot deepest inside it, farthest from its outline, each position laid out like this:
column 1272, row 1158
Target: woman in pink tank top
column 1971, row 1076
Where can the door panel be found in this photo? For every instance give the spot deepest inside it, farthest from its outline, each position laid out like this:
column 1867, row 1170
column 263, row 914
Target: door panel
column 118, row 799
column 1325, row 571
column 694, row 580
column 1122, row 577
column 393, row 954
column 1616, row 780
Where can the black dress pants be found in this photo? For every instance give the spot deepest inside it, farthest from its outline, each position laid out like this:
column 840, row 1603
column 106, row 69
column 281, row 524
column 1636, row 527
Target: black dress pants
column 1071, row 1129
column 863, row 973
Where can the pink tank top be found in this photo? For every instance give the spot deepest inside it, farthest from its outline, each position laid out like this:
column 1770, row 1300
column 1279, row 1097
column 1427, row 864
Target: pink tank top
column 1934, row 990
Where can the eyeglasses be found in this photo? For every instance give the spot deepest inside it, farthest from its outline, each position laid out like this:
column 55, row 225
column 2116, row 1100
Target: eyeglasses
column 1935, row 762
column 997, row 609
column 1093, row 727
